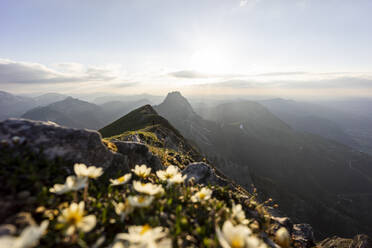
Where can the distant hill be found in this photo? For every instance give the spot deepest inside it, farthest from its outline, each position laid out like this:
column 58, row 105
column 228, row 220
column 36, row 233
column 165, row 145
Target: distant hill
column 49, row 98
column 349, row 128
column 312, row 178
column 14, row 106
column 70, row 112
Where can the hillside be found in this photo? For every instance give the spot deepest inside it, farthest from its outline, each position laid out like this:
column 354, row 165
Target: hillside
column 312, row 178
column 349, row 128
column 136, row 119
column 14, row 106
column 199, row 209
column 70, row 112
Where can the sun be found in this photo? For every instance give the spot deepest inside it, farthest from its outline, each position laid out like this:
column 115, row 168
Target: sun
column 211, row 59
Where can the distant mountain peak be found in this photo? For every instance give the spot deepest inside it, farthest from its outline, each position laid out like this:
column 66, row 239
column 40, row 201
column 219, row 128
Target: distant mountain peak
column 176, row 102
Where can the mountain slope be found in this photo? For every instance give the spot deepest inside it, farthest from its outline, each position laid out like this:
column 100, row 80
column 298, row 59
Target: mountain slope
column 145, row 124
column 14, row 106
column 187, row 213
column 348, row 128
column 312, row 178
column 70, row 112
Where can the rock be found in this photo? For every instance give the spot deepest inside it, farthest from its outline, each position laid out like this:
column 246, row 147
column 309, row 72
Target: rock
column 203, row 174
column 303, row 235
column 138, row 153
column 284, row 221
column 54, row 141
column 359, row 241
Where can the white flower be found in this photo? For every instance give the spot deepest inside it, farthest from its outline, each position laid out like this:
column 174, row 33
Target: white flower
column 121, row 180
column 73, row 217
column 177, row 179
column 170, row 172
column 148, row 188
column 282, row 237
column 81, row 170
column 29, row 237
column 233, row 236
column 72, row 184
column 146, row 236
column 142, row 171
column 238, row 214
column 140, row 201
column 202, row 195
column 123, row 209
column 171, row 175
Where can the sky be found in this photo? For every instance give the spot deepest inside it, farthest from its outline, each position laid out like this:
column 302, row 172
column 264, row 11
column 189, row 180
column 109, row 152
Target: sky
column 291, row 48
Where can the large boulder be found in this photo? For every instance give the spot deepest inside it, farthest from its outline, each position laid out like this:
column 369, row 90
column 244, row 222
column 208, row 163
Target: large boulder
column 137, row 153
column 52, row 142
column 204, row 174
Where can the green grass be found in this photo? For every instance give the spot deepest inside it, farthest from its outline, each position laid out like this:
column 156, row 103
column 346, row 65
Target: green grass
column 137, row 119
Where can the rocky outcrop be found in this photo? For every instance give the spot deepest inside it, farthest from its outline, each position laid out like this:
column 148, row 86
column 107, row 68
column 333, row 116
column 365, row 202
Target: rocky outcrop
column 359, row 241
column 137, row 153
column 303, row 235
column 52, row 142
column 203, row 174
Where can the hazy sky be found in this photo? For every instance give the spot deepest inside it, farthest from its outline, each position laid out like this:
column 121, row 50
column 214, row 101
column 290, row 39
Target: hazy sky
column 276, row 47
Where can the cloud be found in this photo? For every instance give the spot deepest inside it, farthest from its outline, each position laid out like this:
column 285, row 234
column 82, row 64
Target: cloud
column 290, row 73
column 125, row 85
column 336, row 83
column 195, row 75
column 188, row 74
column 34, row 73
column 243, row 3
column 235, row 84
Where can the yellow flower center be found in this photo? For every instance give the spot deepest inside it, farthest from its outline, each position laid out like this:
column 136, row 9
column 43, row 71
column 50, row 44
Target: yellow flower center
column 237, row 243
column 142, row 174
column 202, row 195
column 168, row 176
column 121, row 179
column 145, row 228
column 141, row 199
column 74, row 218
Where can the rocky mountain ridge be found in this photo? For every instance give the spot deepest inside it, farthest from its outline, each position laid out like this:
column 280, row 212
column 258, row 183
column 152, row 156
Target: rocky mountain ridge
column 62, row 147
column 311, row 177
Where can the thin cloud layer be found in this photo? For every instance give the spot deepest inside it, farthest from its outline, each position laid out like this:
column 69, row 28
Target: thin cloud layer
column 13, row 72
column 188, row 74
column 70, row 77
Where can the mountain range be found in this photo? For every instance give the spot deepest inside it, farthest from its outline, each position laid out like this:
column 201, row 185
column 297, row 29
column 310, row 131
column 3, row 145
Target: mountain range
column 314, row 179
column 345, row 125
column 298, row 154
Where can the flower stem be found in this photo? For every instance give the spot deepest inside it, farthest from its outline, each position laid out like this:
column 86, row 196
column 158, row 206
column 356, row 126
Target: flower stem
column 86, row 191
column 75, row 196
